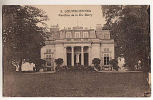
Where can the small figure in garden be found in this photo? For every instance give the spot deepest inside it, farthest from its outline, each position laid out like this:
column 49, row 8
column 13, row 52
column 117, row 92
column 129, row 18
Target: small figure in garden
column 121, row 63
column 136, row 67
column 139, row 65
column 16, row 64
column 77, row 58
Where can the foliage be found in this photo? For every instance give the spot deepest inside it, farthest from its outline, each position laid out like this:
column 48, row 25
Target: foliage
column 39, row 63
column 110, row 13
column 23, row 36
column 42, row 61
column 129, row 27
column 96, row 62
column 114, row 64
column 59, row 61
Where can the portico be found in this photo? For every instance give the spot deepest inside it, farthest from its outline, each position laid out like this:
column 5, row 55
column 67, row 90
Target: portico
column 77, row 55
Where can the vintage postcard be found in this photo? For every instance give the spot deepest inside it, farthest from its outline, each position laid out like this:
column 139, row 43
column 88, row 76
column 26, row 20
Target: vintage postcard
column 76, row 51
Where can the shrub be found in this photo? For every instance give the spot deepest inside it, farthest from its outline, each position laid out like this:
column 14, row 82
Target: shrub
column 39, row 63
column 90, row 68
column 114, row 64
column 58, row 62
column 96, row 62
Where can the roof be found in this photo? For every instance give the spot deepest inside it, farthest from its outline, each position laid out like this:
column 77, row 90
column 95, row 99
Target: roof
column 93, row 33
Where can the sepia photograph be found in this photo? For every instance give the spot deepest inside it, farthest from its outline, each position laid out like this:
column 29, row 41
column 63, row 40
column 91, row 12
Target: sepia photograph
column 76, row 51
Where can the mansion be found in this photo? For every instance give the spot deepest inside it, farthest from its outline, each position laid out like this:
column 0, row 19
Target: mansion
column 78, row 45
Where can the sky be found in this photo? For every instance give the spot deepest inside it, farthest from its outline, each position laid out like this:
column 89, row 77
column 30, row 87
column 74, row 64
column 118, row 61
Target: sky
column 93, row 12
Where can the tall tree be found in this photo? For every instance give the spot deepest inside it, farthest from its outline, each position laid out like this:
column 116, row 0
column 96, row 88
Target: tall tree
column 24, row 30
column 129, row 27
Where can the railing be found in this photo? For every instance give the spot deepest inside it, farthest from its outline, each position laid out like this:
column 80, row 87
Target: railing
column 77, row 39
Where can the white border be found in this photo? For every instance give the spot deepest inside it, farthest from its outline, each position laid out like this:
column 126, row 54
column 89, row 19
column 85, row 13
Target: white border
column 76, row 2
column 73, row 2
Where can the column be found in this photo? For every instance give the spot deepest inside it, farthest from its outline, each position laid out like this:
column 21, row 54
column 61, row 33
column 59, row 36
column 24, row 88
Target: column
column 72, row 56
column 65, row 56
column 89, row 53
column 82, row 56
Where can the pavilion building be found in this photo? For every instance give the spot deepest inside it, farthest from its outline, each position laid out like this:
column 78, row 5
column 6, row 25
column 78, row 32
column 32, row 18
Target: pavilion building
column 78, row 45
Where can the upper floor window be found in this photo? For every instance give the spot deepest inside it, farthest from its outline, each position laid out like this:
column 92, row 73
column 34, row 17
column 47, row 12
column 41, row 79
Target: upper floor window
column 48, row 50
column 85, row 34
column 106, row 49
column 77, row 35
column 68, row 35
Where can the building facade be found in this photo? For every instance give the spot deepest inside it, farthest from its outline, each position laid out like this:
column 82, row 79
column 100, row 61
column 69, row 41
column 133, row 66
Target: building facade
column 78, row 46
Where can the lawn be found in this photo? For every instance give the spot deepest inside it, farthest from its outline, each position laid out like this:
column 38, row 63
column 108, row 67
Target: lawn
column 75, row 84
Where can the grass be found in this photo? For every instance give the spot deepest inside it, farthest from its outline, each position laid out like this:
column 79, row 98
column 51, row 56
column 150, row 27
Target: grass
column 74, row 84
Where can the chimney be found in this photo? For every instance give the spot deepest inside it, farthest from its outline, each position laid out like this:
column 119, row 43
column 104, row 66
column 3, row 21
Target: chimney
column 98, row 27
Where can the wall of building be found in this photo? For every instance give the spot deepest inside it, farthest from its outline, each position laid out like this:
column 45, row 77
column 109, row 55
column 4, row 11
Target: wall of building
column 95, row 51
column 44, row 50
column 59, row 51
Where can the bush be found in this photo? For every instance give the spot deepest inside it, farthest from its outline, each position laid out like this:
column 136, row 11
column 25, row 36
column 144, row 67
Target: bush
column 96, row 62
column 39, row 63
column 90, row 68
column 58, row 62
column 114, row 64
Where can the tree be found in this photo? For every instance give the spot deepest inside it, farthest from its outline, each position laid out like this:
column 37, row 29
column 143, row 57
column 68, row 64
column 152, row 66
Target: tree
column 129, row 27
column 24, row 31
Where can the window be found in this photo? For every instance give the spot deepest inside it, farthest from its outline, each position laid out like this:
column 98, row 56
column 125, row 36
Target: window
column 106, row 59
column 85, row 34
column 48, row 60
column 77, row 35
column 68, row 35
column 48, row 51
column 48, row 63
column 48, row 57
column 106, row 49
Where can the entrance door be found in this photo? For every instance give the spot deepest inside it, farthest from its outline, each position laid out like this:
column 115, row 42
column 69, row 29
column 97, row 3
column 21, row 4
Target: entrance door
column 69, row 59
column 86, row 59
column 75, row 59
